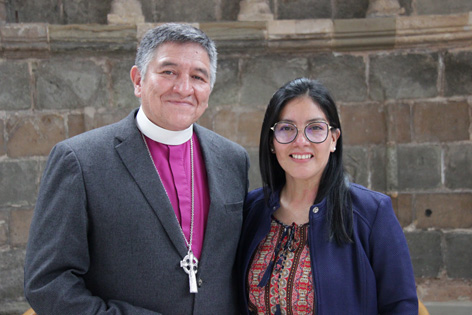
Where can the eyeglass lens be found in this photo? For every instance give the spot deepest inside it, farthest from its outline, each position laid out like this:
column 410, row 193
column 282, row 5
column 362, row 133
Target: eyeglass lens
column 316, row 132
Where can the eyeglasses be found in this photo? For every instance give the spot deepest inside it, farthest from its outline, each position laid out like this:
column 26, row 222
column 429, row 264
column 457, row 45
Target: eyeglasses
column 316, row 132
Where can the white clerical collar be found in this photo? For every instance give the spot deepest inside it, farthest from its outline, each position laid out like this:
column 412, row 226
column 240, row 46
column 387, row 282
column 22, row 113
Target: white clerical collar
column 158, row 134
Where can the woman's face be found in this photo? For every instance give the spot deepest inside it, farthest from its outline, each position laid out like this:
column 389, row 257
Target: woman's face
column 302, row 159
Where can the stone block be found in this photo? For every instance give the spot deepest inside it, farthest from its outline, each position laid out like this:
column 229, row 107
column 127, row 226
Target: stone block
column 122, row 86
column 181, row 10
column 206, row 120
column 85, row 11
column 225, row 123
column 444, row 210
column 19, row 227
column 4, row 220
column 302, row 9
column 97, row 118
column 399, row 123
column 343, row 75
column 226, row 89
column 3, row 149
column 30, row 135
column 403, row 207
column 429, row 7
column 363, row 124
column 459, row 254
column 262, row 76
column 14, row 85
column 458, row 166
column 356, row 162
column 436, row 122
column 71, row 84
column 249, row 127
column 241, row 127
column 457, row 78
column 403, row 76
column 419, row 167
column 350, row 9
column 378, row 169
column 18, row 183
column 444, row 290
column 33, row 11
column 75, row 124
column 425, row 252
column 11, row 274
column 255, row 180
column 15, row 307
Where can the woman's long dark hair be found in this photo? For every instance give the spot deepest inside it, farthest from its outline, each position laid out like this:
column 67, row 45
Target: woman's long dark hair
column 334, row 185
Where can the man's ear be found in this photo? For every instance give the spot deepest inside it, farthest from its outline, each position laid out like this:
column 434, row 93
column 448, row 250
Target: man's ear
column 135, row 76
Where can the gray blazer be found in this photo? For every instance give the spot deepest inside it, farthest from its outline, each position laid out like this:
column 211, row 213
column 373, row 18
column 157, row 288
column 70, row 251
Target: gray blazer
column 104, row 238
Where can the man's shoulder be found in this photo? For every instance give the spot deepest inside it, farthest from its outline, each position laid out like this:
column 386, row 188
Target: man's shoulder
column 100, row 135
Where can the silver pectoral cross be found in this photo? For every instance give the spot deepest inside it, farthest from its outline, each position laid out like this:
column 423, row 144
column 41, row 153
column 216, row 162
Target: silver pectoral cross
column 190, row 266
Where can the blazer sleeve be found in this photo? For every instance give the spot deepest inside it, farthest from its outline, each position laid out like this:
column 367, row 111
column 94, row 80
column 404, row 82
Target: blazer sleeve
column 390, row 259
column 57, row 253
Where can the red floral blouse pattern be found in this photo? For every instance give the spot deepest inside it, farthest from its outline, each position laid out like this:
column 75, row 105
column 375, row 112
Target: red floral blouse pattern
column 279, row 277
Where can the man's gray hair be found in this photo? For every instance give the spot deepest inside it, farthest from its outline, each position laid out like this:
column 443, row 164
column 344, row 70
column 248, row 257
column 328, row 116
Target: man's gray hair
column 178, row 33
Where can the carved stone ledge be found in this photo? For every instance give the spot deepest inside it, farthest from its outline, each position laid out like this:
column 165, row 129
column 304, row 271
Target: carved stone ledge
column 250, row 36
column 301, row 34
column 364, row 34
column 92, row 37
column 24, row 37
column 439, row 30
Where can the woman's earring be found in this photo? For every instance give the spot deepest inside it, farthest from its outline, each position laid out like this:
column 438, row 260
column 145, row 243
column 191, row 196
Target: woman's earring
column 334, row 149
column 272, row 150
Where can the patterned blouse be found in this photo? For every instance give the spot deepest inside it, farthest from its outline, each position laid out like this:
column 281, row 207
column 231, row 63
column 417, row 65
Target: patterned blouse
column 279, row 277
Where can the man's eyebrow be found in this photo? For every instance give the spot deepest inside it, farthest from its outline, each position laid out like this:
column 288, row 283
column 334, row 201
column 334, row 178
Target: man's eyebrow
column 173, row 64
column 167, row 64
column 203, row 71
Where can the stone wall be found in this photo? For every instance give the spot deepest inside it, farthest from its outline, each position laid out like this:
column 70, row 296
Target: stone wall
column 86, row 11
column 403, row 86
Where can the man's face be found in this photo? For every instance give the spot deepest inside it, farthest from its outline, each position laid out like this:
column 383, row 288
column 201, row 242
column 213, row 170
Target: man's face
column 175, row 90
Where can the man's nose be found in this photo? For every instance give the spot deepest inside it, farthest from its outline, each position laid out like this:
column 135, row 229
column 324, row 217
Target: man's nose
column 183, row 85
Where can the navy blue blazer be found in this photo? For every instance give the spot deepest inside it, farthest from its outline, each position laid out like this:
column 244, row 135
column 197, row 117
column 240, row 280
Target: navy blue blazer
column 104, row 238
column 373, row 275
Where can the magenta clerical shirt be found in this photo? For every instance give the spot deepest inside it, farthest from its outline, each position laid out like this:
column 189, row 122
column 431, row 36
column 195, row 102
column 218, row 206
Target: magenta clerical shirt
column 173, row 165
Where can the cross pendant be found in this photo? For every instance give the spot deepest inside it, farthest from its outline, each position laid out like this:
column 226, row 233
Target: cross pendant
column 190, row 266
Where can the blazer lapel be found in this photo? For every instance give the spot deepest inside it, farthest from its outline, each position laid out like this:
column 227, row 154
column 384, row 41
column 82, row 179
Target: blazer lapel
column 135, row 156
column 216, row 184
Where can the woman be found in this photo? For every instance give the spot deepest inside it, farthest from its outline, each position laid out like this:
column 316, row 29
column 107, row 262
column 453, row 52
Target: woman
column 312, row 242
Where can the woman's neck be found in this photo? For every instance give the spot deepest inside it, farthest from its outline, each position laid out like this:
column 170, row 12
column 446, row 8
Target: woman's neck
column 296, row 198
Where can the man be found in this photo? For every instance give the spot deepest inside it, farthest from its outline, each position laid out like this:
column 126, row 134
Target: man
column 143, row 216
